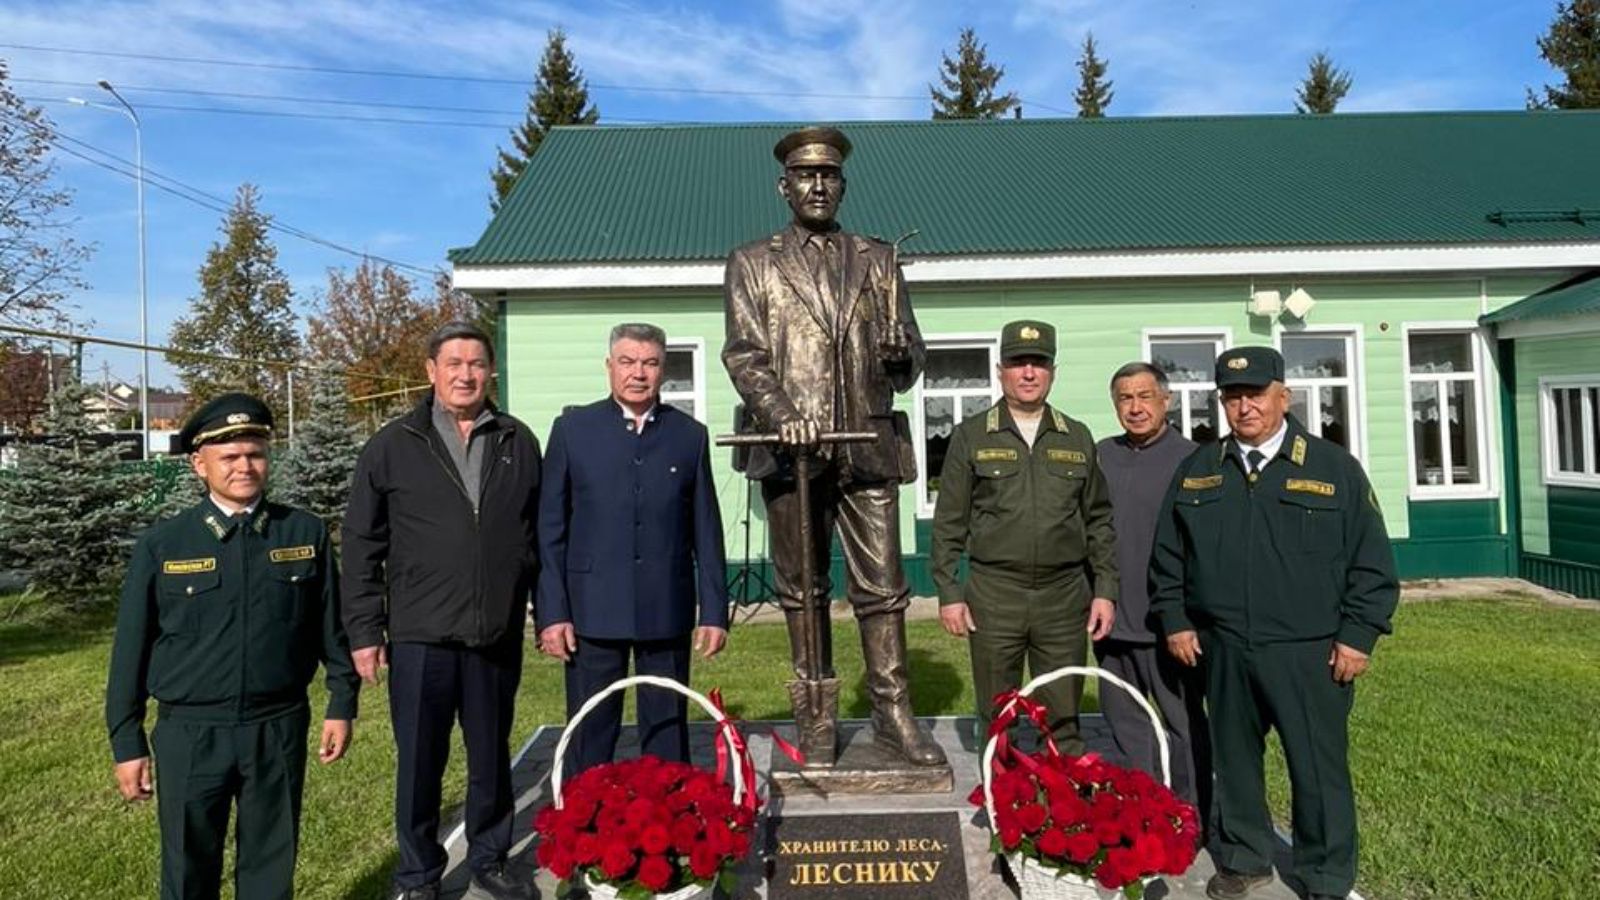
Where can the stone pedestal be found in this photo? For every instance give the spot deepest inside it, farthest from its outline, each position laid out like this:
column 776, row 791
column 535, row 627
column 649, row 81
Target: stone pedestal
column 863, row 767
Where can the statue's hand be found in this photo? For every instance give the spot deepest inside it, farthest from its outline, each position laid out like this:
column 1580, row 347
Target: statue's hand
column 894, row 348
column 800, row 432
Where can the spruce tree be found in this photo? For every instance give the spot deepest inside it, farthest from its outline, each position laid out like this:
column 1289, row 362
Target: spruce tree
column 559, row 97
column 243, row 310
column 1324, row 86
column 970, row 81
column 1094, row 91
column 314, row 474
column 70, row 509
column 1572, row 45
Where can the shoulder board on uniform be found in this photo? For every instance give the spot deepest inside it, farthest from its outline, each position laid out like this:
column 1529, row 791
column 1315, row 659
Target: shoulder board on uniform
column 775, row 243
column 189, row 566
column 1068, row 456
column 1309, row 486
column 1298, row 454
column 992, row 424
column 1059, row 420
column 996, row 454
column 1202, row 482
column 292, row 554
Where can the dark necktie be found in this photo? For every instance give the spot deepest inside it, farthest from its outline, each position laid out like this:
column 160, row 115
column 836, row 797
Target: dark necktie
column 1255, row 459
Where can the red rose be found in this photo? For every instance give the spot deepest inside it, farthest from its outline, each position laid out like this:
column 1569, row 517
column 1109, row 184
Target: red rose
column 1081, row 846
column 1068, row 809
column 1149, row 853
column 655, row 839
column 1053, row 843
column 685, row 833
column 1118, row 869
column 1031, row 816
column 586, row 850
column 554, row 859
column 704, row 862
column 655, row 873
column 1010, row 835
column 616, row 859
column 719, row 837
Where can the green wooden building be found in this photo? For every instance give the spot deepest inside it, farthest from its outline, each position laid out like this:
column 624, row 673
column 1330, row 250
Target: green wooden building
column 1429, row 278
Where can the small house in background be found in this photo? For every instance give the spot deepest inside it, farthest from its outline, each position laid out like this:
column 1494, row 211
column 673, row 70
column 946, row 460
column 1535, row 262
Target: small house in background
column 1429, row 278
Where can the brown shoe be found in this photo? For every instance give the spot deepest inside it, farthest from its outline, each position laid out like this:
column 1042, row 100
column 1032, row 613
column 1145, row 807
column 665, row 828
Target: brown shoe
column 1230, row 885
column 883, row 644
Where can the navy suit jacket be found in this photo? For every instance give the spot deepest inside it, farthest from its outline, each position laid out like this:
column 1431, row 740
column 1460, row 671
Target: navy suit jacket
column 630, row 534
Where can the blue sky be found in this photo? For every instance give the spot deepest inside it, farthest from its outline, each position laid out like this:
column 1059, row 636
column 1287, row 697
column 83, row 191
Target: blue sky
column 409, row 192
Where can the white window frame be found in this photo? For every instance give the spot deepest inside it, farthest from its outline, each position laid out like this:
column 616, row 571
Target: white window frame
column 1221, row 338
column 978, row 340
column 1355, row 382
column 1548, row 439
column 1488, row 487
column 697, row 349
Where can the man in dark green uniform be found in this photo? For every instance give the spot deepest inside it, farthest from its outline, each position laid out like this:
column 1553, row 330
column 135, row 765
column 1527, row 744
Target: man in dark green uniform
column 226, row 610
column 1272, row 566
column 1022, row 496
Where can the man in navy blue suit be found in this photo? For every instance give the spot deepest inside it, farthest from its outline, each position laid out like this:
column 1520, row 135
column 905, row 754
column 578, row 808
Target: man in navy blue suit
column 630, row 538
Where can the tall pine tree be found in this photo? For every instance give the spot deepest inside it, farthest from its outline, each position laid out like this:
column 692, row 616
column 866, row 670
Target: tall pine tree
column 70, row 508
column 559, row 97
column 1324, row 86
column 1572, row 45
column 1094, row 90
column 314, row 474
column 970, row 81
column 243, row 310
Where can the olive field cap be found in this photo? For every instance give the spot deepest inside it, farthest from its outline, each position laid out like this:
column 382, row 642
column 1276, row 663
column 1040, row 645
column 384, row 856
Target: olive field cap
column 1028, row 337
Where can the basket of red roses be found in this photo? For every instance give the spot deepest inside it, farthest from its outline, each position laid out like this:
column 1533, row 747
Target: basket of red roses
column 1078, row 827
column 643, row 828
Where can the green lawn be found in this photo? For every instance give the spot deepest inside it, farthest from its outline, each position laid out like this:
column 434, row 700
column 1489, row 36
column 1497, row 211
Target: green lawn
column 1474, row 748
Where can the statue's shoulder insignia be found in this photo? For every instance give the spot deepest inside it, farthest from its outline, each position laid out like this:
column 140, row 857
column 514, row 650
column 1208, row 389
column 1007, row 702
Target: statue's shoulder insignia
column 775, row 243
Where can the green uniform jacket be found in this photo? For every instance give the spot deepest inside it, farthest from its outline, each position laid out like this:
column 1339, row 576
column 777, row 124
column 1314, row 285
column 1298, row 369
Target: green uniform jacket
column 1301, row 554
column 1025, row 514
column 226, row 623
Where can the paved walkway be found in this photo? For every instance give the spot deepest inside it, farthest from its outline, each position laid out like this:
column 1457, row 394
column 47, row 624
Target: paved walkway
column 531, row 782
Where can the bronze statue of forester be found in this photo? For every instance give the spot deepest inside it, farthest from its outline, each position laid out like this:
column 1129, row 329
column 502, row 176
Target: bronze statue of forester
column 820, row 337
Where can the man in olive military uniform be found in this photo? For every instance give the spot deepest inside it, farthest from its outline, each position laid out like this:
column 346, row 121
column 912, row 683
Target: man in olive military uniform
column 1022, row 496
column 1272, row 567
column 226, row 610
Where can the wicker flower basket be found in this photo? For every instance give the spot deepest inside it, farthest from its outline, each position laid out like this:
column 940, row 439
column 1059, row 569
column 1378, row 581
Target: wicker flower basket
column 1037, row 882
column 688, row 892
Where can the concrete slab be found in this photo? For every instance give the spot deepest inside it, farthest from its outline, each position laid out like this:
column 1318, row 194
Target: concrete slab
column 985, row 875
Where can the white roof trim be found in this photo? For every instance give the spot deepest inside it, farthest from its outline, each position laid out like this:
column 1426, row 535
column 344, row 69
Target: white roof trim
column 1068, row 266
column 1550, row 326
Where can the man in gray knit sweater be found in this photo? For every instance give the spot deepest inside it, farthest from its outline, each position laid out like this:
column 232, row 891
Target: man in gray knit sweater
column 1138, row 466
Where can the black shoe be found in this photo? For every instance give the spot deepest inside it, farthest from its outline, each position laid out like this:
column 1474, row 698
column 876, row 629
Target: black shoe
column 1328, row 897
column 1230, row 885
column 500, row 882
column 426, row 892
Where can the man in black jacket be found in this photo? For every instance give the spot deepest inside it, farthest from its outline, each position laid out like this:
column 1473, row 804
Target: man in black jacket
column 439, row 562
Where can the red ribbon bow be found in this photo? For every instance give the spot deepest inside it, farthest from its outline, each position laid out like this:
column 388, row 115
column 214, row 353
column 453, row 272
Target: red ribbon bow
column 730, row 743
column 1012, row 704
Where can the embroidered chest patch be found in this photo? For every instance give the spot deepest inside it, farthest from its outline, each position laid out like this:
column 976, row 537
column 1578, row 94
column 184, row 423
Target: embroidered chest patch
column 1067, row 456
column 1309, row 486
column 1203, row 483
column 291, row 554
column 189, row 566
column 997, row 455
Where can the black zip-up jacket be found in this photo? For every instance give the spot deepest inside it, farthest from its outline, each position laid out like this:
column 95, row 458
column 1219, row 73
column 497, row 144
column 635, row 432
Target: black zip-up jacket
column 419, row 566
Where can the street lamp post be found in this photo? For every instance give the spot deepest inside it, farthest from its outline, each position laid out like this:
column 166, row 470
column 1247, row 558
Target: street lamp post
column 127, row 109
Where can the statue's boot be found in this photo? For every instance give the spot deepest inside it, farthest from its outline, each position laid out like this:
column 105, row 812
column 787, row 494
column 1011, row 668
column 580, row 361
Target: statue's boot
column 883, row 645
column 815, row 704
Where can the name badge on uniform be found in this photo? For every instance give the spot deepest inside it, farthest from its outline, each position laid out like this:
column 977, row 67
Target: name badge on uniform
column 1308, row 486
column 189, row 566
column 1201, row 484
column 996, row 455
column 1067, row 456
column 291, row 554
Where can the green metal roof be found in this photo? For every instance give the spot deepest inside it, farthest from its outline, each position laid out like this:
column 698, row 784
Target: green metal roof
column 1570, row 298
column 692, row 192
